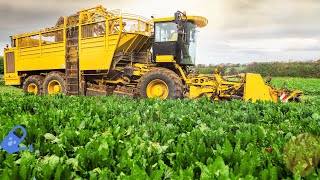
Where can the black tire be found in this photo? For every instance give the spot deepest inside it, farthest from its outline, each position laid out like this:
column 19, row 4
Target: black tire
column 295, row 99
column 172, row 80
column 57, row 76
column 37, row 80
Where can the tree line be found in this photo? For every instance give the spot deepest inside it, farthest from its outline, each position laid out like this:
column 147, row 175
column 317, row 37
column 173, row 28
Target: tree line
column 305, row 69
column 310, row 69
column 1, row 65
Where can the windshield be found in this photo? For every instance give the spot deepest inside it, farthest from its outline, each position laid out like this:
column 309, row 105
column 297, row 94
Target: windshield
column 165, row 32
column 189, row 46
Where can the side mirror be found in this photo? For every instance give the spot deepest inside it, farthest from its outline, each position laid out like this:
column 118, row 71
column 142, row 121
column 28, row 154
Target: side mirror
column 177, row 17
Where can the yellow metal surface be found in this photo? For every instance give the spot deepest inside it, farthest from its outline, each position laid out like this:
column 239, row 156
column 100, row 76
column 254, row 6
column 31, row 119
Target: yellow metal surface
column 11, row 77
column 15, row 80
column 199, row 21
column 274, row 95
column 54, row 87
column 157, row 89
column 164, row 58
column 183, row 75
column 198, row 91
column 255, row 88
column 94, row 55
column 32, row 88
column 45, row 57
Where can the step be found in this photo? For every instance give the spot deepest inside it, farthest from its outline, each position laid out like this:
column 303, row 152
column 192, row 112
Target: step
column 72, row 59
column 72, row 62
column 76, row 74
column 73, row 45
column 73, row 93
column 72, row 54
column 69, row 39
column 125, row 60
column 72, row 70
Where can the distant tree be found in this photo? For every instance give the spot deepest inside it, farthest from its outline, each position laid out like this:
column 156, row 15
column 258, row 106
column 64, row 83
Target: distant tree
column 201, row 66
column 1, row 65
column 222, row 69
column 233, row 71
column 305, row 69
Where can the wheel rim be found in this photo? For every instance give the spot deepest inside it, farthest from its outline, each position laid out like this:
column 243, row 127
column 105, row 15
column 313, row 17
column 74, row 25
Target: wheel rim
column 157, row 89
column 32, row 88
column 54, row 87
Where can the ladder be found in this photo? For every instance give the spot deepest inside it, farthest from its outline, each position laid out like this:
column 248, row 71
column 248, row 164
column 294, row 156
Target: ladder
column 72, row 61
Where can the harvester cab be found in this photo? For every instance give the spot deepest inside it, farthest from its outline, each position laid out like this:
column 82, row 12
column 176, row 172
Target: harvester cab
column 175, row 38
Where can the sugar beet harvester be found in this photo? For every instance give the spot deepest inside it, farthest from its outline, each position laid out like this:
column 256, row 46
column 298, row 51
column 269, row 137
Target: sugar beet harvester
column 100, row 52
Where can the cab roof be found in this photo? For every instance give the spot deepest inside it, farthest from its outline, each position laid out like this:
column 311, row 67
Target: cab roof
column 199, row 21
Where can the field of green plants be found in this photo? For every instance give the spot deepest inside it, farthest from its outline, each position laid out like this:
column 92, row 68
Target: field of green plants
column 123, row 138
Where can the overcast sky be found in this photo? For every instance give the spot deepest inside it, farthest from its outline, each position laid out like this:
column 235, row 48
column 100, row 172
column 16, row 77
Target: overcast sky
column 239, row 31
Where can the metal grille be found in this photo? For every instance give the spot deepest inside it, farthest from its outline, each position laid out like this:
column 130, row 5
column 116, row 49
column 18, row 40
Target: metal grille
column 87, row 31
column 10, row 62
column 94, row 30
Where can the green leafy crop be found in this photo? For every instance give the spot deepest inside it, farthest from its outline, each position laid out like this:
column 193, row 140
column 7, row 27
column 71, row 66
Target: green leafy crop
column 122, row 138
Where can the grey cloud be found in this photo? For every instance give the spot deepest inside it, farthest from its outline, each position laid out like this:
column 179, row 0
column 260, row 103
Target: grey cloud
column 280, row 31
column 229, row 21
column 312, row 48
column 271, row 18
column 25, row 16
column 254, row 21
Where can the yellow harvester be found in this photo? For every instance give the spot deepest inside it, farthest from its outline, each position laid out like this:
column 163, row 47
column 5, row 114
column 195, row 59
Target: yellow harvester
column 99, row 52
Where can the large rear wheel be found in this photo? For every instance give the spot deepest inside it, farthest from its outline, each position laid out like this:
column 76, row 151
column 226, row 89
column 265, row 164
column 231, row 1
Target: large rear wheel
column 33, row 84
column 55, row 83
column 160, row 83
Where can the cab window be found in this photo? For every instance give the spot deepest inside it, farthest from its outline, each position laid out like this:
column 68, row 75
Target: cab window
column 166, row 31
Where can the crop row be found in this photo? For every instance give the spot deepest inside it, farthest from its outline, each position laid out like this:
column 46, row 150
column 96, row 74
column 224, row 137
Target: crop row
column 115, row 137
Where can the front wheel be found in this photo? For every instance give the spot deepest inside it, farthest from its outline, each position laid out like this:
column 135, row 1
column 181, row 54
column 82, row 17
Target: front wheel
column 55, row 83
column 33, row 84
column 160, row 83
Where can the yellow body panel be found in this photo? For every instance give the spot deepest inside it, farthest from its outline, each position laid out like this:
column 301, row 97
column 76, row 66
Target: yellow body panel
column 130, row 42
column 255, row 89
column 93, row 54
column 165, row 58
column 46, row 57
column 198, row 91
column 13, row 80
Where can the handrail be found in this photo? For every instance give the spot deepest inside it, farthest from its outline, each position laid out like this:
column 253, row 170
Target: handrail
column 109, row 15
column 122, row 14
